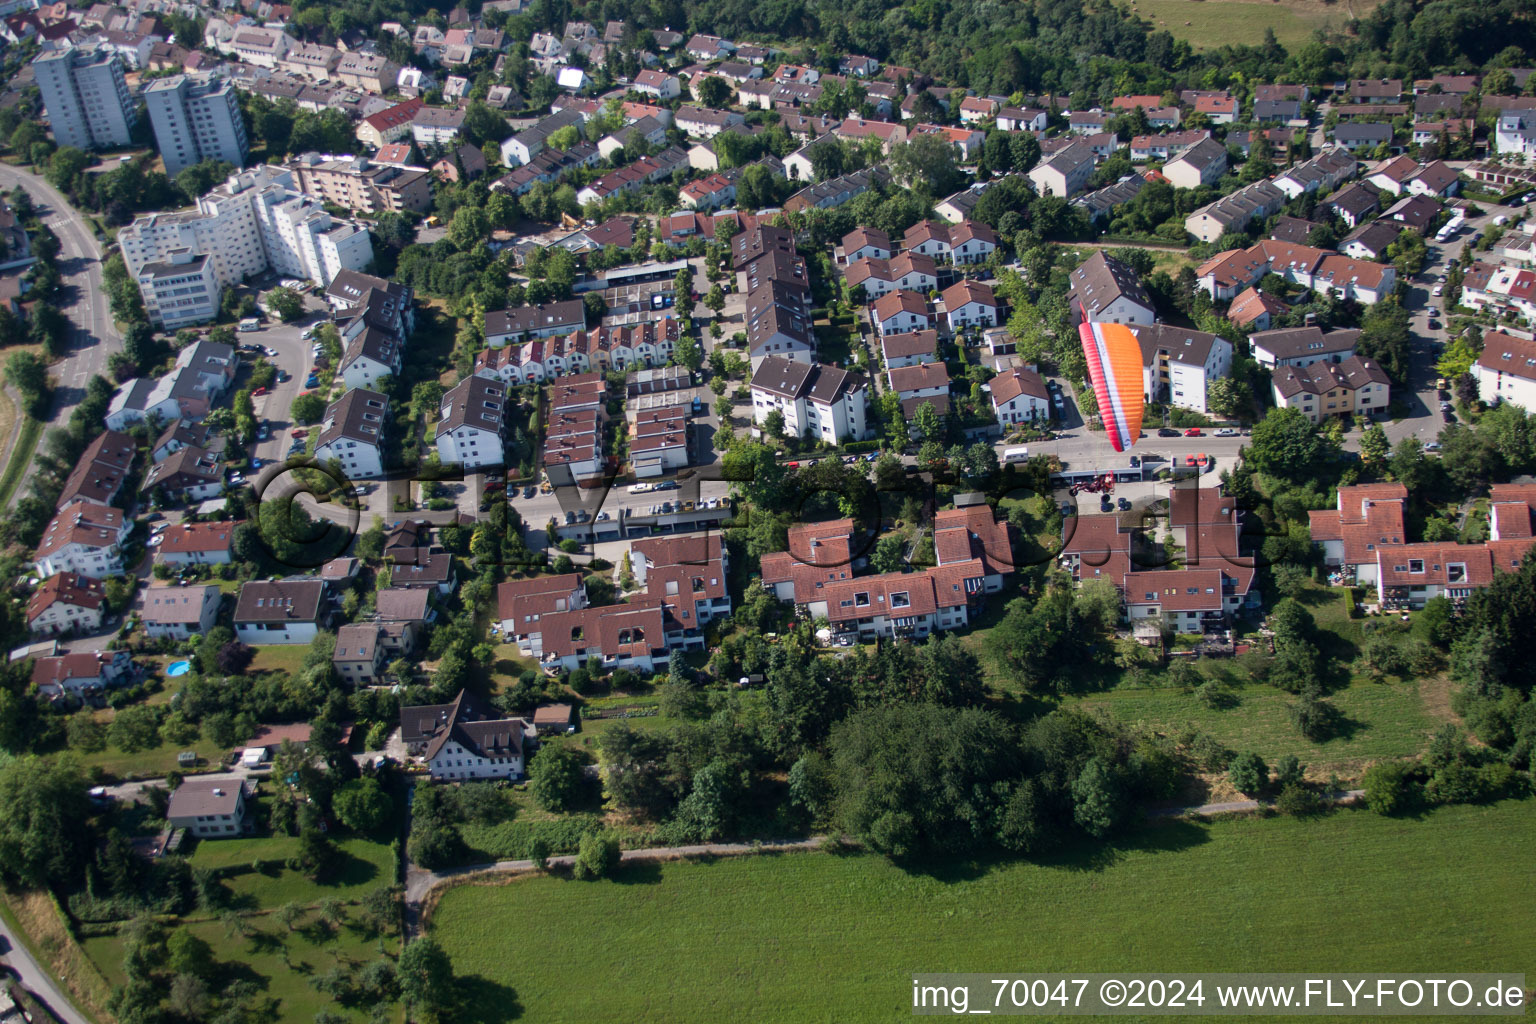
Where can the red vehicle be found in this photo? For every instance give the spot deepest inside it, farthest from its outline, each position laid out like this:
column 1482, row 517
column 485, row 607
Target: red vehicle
column 258, row 391
column 1189, row 460
column 300, row 433
column 1193, row 432
column 494, row 485
column 791, row 465
column 1203, row 460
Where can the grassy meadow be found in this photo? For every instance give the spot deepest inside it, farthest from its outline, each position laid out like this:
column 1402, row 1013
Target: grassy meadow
column 826, row 937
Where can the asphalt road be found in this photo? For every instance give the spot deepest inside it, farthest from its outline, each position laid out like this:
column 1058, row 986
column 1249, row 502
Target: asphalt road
column 38, row 981
column 95, row 336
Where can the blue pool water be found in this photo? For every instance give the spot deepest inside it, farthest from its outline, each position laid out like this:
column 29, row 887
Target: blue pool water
column 178, row 668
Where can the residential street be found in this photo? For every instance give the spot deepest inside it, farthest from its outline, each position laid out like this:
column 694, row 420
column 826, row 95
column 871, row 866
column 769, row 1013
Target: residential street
column 84, row 302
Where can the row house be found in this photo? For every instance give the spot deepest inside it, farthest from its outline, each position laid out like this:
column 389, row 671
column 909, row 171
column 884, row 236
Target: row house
column 203, row 372
column 969, row 304
column 1019, row 395
column 867, row 243
column 1410, row 575
column 964, row 243
column 1365, row 517
column 1064, row 173
column 85, row 539
column 548, row 166
column 1201, row 164
column 544, row 320
column 1302, row 346
column 190, row 475
column 901, row 312
column 909, row 271
column 1352, row 387
column 686, row 575
column 908, row 349
column 607, row 348
column 531, row 141
column 1236, row 211
column 658, row 441
column 648, row 170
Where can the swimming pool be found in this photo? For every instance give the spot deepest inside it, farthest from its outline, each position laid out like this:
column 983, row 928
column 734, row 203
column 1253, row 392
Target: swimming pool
column 178, row 668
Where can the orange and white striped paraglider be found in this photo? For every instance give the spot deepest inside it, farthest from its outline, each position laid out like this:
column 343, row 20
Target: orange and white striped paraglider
column 1114, row 369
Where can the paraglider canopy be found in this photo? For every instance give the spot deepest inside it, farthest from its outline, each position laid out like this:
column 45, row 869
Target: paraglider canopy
column 1114, row 370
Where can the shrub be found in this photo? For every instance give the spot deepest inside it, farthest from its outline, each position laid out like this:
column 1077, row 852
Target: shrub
column 1248, row 773
column 597, row 857
column 1391, row 787
column 1298, row 801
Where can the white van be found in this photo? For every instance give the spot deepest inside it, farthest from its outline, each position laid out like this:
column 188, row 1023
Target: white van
column 1015, row 454
column 250, row 323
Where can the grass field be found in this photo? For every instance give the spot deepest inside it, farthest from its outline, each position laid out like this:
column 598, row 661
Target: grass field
column 1381, row 720
column 278, row 961
column 368, row 865
column 278, row 658
column 820, row 937
column 1236, row 22
column 20, row 458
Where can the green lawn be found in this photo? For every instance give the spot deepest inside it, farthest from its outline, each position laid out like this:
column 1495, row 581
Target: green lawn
column 1213, row 23
column 279, row 962
column 820, row 937
column 151, row 763
column 1381, row 720
column 367, row 865
column 278, row 658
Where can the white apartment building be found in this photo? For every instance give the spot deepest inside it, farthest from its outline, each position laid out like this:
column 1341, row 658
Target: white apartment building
column 255, row 221
column 469, row 430
column 352, row 433
column 1178, row 365
column 180, row 290
column 830, row 403
column 86, row 97
column 85, row 538
column 1506, row 370
column 196, row 118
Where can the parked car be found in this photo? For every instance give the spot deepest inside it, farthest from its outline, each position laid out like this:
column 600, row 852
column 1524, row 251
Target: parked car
column 1168, row 432
column 1189, row 460
column 258, row 392
column 1202, row 460
column 1193, row 432
column 666, row 485
column 1226, row 432
column 1432, row 446
column 298, row 432
column 1124, row 504
column 529, row 492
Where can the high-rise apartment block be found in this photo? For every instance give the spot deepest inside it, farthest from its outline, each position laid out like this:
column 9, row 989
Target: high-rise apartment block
column 86, row 97
column 255, row 221
column 196, row 118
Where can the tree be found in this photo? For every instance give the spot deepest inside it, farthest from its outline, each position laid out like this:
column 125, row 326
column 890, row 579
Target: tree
column 714, row 91
column 28, row 374
column 1286, row 444
column 1227, row 397
column 890, row 554
column 308, row 408
column 1291, row 580
column 557, row 778
column 1098, row 798
column 597, row 856
column 361, row 805
column 285, row 304
column 1248, row 773
column 188, row 954
column 688, row 353
column 927, row 162
column 425, row 977
column 135, row 728
column 44, row 810
column 1390, row 786
column 1374, row 446
column 929, row 426
column 471, row 226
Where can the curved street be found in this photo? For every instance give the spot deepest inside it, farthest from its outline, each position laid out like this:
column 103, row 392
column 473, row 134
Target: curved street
column 37, row 980
column 82, row 298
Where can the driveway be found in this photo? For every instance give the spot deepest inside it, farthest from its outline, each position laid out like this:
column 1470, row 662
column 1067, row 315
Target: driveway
column 82, row 299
